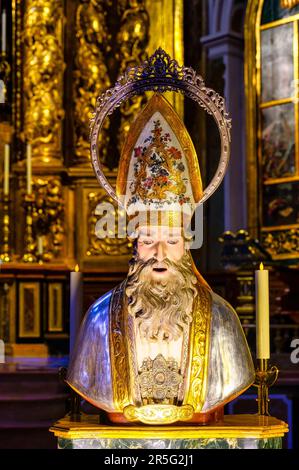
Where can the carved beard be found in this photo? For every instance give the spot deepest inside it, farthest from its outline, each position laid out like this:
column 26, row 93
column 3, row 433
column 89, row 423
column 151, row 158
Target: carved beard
column 162, row 309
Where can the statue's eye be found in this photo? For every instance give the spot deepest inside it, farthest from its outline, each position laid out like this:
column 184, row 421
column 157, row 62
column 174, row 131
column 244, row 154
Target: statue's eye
column 172, row 241
column 147, row 242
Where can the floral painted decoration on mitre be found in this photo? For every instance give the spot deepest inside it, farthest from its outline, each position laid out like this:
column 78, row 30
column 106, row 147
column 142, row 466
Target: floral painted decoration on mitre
column 158, row 170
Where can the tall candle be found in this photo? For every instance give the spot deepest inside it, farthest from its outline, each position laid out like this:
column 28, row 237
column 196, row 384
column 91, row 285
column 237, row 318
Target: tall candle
column 262, row 313
column 76, row 304
column 29, row 170
column 40, row 247
column 6, row 170
column 3, row 36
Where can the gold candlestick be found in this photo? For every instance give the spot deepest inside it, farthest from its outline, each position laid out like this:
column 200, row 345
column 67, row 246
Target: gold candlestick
column 264, row 378
column 5, row 256
column 29, row 255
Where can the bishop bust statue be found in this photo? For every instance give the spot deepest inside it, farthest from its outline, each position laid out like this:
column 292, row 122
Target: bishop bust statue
column 161, row 347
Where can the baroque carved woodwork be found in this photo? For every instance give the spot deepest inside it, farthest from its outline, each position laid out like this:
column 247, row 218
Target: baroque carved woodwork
column 91, row 73
column 59, row 68
column 289, row 3
column 282, row 243
column 43, row 69
column 97, row 244
column 48, row 215
column 104, row 49
column 64, row 54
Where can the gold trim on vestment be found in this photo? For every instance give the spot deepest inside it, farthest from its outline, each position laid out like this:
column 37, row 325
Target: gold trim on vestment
column 132, row 359
column 196, row 383
column 118, row 351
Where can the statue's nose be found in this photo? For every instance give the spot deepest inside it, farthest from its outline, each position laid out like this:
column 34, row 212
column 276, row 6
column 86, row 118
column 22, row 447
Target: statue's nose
column 160, row 251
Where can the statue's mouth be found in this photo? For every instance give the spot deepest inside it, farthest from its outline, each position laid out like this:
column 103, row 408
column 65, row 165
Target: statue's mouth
column 160, row 270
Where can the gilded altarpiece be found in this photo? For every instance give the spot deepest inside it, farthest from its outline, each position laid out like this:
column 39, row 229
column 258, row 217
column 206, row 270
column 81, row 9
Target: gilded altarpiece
column 271, row 74
column 64, row 54
column 38, row 118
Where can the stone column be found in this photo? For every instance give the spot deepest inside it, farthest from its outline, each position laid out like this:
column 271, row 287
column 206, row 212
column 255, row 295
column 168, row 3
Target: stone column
column 229, row 47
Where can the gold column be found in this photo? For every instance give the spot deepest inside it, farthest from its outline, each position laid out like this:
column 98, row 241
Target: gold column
column 252, row 21
column 104, row 50
column 43, row 69
column 91, row 76
column 132, row 40
column 166, row 31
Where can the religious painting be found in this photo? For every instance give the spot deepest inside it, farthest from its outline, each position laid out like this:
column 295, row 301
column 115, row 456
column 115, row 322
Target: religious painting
column 277, row 68
column 55, row 302
column 281, row 204
column 272, row 91
column 29, row 310
column 278, row 141
column 274, row 10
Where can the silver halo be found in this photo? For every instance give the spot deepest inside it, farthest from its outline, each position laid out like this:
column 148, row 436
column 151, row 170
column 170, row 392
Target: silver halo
column 160, row 73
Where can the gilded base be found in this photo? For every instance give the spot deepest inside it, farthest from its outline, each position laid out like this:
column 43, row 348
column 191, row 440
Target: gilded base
column 235, row 432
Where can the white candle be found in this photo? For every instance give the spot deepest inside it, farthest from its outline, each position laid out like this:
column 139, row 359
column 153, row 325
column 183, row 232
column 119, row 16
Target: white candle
column 29, row 170
column 76, row 304
column 6, row 171
column 262, row 313
column 3, row 36
column 40, row 248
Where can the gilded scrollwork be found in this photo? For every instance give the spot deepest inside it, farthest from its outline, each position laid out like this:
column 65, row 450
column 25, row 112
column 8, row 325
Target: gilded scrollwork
column 200, row 333
column 282, row 243
column 288, row 3
column 158, row 414
column 43, row 70
column 91, row 73
column 119, row 370
column 132, row 40
column 97, row 244
column 48, row 215
column 104, row 49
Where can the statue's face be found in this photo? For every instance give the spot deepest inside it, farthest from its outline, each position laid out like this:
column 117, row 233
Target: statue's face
column 160, row 243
